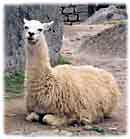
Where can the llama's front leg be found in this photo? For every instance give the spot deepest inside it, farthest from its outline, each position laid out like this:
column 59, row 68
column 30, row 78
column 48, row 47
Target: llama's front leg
column 54, row 120
column 32, row 117
column 86, row 121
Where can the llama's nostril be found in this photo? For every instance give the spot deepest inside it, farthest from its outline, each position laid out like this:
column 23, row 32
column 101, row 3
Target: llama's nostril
column 31, row 33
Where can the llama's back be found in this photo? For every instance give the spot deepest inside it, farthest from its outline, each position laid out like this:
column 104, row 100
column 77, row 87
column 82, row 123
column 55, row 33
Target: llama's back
column 96, row 88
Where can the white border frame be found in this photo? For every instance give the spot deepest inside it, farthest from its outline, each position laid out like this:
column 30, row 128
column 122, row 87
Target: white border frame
column 10, row 2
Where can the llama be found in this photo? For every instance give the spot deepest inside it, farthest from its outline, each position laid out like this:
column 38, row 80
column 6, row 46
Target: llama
column 64, row 93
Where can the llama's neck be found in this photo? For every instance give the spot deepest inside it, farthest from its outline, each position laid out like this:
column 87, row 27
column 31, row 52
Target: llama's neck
column 37, row 59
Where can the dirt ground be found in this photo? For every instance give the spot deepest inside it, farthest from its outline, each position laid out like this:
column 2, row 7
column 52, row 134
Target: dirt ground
column 116, row 125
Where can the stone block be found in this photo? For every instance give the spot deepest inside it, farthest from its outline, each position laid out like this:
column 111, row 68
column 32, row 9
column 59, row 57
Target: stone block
column 66, row 18
column 73, row 17
column 68, row 10
column 81, row 8
column 83, row 16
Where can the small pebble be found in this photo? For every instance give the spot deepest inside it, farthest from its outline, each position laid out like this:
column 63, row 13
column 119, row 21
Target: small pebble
column 65, row 133
column 113, row 128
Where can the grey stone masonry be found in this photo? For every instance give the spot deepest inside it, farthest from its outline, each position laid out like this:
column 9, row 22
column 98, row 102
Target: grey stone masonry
column 68, row 10
column 74, row 13
column 82, row 16
column 73, row 17
column 81, row 8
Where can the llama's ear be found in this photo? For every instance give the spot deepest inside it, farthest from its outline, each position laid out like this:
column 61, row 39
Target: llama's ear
column 46, row 26
column 25, row 20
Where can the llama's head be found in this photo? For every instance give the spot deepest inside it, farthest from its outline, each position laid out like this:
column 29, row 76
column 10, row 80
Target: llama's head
column 33, row 30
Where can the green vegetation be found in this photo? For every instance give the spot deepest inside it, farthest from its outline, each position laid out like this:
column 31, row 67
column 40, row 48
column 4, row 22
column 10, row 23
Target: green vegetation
column 14, row 82
column 62, row 61
column 98, row 129
column 116, row 22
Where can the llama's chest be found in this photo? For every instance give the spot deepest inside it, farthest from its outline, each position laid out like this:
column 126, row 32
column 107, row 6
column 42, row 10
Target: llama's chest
column 47, row 97
column 38, row 96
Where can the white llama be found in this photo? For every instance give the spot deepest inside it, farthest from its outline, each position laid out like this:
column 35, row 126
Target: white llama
column 64, row 93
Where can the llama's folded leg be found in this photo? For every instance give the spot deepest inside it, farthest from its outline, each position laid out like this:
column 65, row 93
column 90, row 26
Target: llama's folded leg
column 32, row 117
column 87, row 119
column 54, row 120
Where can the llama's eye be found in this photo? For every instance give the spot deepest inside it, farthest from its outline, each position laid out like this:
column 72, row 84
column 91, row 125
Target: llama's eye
column 39, row 29
column 26, row 27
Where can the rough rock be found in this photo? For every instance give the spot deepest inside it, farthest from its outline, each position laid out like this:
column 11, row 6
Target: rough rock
column 111, row 41
column 107, row 14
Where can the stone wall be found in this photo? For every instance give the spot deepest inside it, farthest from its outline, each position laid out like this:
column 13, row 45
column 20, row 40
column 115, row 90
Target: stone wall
column 74, row 13
column 14, row 51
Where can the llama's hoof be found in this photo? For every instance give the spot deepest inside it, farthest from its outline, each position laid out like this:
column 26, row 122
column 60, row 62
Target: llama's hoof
column 32, row 117
column 85, row 121
column 54, row 120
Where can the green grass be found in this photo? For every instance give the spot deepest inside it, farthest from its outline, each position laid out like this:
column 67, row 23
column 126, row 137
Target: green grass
column 14, row 82
column 116, row 22
column 98, row 129
column 62, row 61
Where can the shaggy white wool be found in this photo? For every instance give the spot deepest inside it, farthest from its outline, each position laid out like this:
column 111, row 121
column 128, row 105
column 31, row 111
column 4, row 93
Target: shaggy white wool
column 82, row 93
